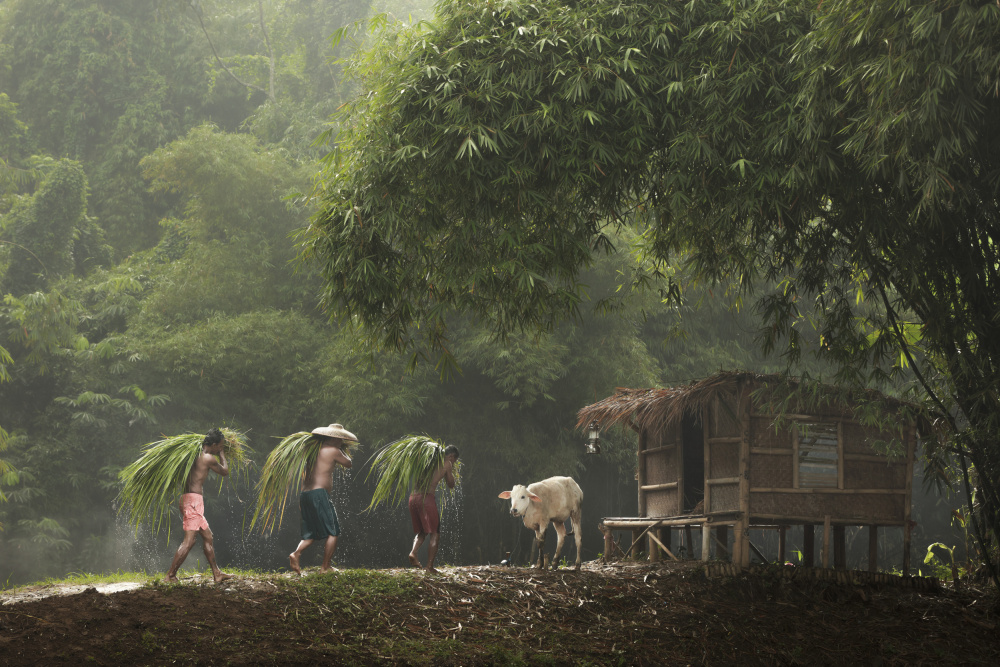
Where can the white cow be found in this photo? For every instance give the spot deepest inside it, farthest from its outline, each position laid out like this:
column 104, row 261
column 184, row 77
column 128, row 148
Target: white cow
column 554, row 499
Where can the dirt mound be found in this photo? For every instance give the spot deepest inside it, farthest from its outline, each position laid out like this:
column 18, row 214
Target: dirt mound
column 633, row 615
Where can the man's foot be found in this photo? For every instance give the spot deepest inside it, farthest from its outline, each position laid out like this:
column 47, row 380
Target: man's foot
column 172, row 579
column 414, row 561
column 293, row 561
column 432, row 570
column 222, row 576
column 325, row 570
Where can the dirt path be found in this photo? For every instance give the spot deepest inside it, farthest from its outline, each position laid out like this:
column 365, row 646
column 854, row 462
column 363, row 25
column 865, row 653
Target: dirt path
column 638, row 615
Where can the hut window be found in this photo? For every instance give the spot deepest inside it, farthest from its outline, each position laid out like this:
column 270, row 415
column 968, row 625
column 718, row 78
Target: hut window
column 818, row 458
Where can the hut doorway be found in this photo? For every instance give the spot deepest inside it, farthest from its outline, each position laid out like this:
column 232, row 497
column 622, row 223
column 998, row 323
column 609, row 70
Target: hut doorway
column 693, row 442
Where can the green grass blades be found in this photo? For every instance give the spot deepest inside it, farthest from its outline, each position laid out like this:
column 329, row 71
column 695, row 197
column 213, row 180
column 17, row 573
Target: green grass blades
column 281, row 477
column 151, row 484
column 406, row 464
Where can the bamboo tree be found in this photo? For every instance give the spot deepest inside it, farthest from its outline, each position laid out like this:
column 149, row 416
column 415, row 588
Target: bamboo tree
column 152, row 483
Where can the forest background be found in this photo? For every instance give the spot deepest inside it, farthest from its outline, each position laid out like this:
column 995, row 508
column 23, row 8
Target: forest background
column 158, row 157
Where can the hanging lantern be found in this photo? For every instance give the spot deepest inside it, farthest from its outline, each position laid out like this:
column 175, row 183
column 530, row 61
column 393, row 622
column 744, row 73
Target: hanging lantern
column 593, row 444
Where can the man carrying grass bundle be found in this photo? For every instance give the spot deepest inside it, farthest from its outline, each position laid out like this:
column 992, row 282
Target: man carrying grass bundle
column 319, row 517
column 192, row 504
column 424, row 510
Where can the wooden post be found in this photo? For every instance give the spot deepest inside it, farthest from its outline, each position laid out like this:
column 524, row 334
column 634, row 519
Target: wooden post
column 641, row 471
column 706, row 541
column 688, row 543
column 741, row 532
column 872, row 548
column 609, row 543
column 722, row 543
column 808, row 545
column 910, row 443
column 654, row 551
column 839, row 548
column 826, row 542
column 782, row 530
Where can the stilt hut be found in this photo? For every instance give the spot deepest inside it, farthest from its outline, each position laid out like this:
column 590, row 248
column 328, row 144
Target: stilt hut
column 740, row 451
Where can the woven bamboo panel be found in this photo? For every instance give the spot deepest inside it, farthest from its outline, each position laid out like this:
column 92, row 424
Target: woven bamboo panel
column 770, row 471
column 723, row 417
column 764, row 435
column 661, row 467
column 661, row 503
column 873, row 475
column 724, row 459
column 724, row 497
column 857, row 438
column 865, row 507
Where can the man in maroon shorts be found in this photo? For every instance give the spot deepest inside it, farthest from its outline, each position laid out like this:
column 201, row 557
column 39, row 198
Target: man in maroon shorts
column 424, row 511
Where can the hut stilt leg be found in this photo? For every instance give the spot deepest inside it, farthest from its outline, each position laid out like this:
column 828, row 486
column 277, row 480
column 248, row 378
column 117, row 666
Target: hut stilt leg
column 872, row 548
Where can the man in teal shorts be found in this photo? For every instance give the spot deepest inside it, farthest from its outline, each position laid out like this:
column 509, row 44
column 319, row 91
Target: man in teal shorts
column 319, row 518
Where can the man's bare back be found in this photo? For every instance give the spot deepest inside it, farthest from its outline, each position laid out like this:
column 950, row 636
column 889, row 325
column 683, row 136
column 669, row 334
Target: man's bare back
column 446, row 471
column 321, row 474
column 206, row 461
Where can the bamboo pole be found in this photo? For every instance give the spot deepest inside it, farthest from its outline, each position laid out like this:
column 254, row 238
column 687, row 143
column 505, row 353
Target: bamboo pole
column 872, row 548
column 808, row 545
column 641, row 472
column 829, row 490
column 782, row 537
column 658, row 487
column 654, row 450
column 663, row 546
column 840, row 454
column 839, row 548
column 706, row 545
column 910, row 446
column 741, row 535
column 826, row 542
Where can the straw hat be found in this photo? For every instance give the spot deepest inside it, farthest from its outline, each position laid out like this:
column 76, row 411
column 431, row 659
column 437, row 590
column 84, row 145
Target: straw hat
column 335, row 431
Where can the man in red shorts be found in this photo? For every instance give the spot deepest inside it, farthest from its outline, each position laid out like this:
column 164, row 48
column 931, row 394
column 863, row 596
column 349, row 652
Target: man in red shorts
column 193, row 505
column 424, row 511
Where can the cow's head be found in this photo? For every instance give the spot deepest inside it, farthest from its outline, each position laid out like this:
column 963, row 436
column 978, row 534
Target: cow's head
column 519, row 497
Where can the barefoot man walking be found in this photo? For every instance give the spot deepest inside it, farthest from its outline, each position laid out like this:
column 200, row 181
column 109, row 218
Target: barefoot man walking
column 319, row 517
column 424, row 511
column 192, row 504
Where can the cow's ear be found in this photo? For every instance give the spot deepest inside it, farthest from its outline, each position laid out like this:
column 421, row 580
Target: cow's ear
column 505, row 495
column 534, row 497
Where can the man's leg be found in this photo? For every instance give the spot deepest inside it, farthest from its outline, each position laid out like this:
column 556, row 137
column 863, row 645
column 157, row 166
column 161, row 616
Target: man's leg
column 209, row 547
column 432, row 549
column 182, row 552
column 328, row 549
column 417, row 541
column 293, row 558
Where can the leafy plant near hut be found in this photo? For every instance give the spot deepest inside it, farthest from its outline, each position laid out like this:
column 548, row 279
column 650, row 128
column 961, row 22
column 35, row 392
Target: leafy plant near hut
column 152, row 483
column 406, row 464
column 282, row 476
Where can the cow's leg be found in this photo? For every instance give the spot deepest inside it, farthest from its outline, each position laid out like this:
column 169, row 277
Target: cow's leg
column 560, row 527
column 576, row 519
column 540, row 543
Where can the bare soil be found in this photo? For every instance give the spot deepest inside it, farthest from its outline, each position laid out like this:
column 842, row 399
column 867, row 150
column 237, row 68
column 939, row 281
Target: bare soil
column 604, row 615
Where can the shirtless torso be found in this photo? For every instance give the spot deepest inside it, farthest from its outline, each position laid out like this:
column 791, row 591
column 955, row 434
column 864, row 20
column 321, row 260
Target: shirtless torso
column 206, row 461
column 321, row 474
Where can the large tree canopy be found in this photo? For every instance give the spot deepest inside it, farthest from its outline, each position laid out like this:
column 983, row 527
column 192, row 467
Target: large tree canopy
column 846, row 150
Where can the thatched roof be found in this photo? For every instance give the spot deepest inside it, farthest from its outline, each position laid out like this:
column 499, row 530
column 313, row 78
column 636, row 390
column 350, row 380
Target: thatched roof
column 654, row 409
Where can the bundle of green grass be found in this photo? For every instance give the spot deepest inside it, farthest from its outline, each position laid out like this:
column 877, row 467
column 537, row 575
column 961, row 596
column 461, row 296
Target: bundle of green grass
column 407, row 465
column 282, row 475
column 152, row 484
